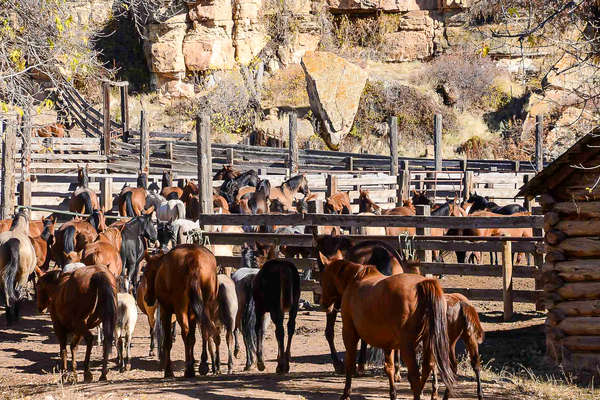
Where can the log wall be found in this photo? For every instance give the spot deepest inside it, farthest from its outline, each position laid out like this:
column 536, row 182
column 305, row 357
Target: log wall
column 571, row 280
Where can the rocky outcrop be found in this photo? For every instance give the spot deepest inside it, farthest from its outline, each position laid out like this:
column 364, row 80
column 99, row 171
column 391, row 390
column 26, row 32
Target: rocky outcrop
column 334, row 88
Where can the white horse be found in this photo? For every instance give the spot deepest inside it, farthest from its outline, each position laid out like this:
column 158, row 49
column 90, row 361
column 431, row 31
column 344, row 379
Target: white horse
column 166, row 210
column 68, row 268
column 126, row 318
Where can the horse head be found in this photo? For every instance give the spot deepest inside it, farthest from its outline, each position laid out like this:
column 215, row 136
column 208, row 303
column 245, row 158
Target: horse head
column 420, row 197
column 249, row 256
column 167, row 179
column 153, row 188
column 142, row 180
column 365, row 204
column 46, row 287
column 165, row 235
column 82, row 177
column 148, row 228
column 97, row 220
column 20, row 222
column 153, row 262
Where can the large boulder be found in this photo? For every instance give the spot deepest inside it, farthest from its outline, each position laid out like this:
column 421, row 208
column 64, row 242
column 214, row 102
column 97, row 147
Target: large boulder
column 334, row 88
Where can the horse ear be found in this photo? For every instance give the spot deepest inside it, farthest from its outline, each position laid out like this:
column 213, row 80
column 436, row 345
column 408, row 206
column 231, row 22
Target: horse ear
column 324, row 260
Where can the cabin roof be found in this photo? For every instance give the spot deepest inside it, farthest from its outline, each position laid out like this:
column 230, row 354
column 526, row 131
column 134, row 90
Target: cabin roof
column 561, row 168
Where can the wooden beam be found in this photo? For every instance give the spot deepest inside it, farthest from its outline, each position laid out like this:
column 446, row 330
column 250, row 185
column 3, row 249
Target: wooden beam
column 332, row 185
column 25, row 195
column 393, row 125
column 423, row 210
column 9, row 147
column 106, row 117
column 507, row 281
column 539, row 142
column 106, row 195
column 293, row 142
column 204, row 155
column 437, row 141
column 144, row 144
column 125, row 111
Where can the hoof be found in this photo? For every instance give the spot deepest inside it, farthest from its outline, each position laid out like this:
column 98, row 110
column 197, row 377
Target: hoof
column 260, row 365
column 339, row 368
column 169, row 374
column 345, row 397
column 203, row 368
column 87, row 377
column 397, row 377
column 189, row 373
column 121, row 369
column 151, row 353
column 248, row 367
column 128, row 367
column 102, row 378
column 236, row 353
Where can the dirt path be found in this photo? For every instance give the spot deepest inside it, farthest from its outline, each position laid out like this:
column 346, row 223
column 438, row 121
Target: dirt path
column 28, row 356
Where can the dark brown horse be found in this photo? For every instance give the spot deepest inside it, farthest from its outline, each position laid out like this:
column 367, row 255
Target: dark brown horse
column 78, row 302
column 83, row 199
column 169, row 191
column 184, row 281
column 227, row 172
column 74, row 235
column 132, row 201
column 366, row 205
column 463, row 323
column 35, row 227
column 338, row 203
column 390, row 313
column 287, row 190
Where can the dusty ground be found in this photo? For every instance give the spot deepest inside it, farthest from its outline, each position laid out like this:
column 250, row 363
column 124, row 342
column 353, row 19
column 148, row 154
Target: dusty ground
column 28, row 356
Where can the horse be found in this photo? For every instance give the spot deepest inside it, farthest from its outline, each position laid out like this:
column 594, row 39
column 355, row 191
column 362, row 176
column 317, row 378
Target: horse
column 390, row 313
column 102, row 252
column 166, row 210
column 42, row 245
column 258, row 201
column 463, row 323
column 226, row 173
column 420, row 197
column 337, row 203
column 17, row 263
column 132, row 201
column 133, row 244
column 184, row 282
column 366, row 205
column 384, row 257
column 74, row 235
column 93, row 288
column 124, row 326
column 449, row 209
column 287, row 190
column 276, row 291
column 35, row 227
column 220, row 202
column 169, row 191
column 480, row 203
column 83, row 199
column 54, row 130
column 227, row 311
column 189, row 189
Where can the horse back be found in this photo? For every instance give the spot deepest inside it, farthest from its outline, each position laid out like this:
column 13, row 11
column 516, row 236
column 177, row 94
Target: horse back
column 277, row 284
column 27, row 255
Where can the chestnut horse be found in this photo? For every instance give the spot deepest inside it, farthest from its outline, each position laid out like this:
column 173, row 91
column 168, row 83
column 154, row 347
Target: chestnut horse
column 169, row 191
column 78, row 302
column 54, row 130
column 74, row 235
column 17, row 263
column 366, row 205
column 184, row 281
column 35, row 227
column 390, row 313
column 42, row 245
column 287, row 190
column 226, row 173
column 132, row 201
column 83, row 199
column 338, row 203
column 463, row 323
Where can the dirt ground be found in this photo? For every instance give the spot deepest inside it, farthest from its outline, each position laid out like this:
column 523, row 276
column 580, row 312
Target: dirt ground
column 29, row 356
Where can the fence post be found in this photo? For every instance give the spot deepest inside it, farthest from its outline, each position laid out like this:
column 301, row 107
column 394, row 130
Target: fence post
column 293, row 142
column 507, row 281
column 403, row 182
column 9, row 147
column 169, row 150
column 539, row 143
column 437, row 141
column 230, row 156
column 315, row 206
column 350, row 163
column 204, row 154
column 538, row 261
column 332, row 185
column 106, row 119
column 25, row 197
column 106, row 193
column 526, row 202
column 467, row 184
column 393, row 124
column 423, row 255
column 125, row 110
column 144, row 144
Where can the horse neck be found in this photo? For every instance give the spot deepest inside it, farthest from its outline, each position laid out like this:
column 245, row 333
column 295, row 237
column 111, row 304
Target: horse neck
column 442, row 211
column 21, row 226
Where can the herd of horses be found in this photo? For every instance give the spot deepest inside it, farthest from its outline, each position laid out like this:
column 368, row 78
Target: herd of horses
column 93, row 276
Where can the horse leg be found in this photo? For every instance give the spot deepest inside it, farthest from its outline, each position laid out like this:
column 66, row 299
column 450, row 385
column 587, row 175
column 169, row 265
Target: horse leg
column 152, row 334
column 362, row 358
column 89, row 345
column 203, row 367
column 389, row 370
column 473, row 349
column 127, row 348
column 427, row 365
column 397, row 365
column 165, row 317
column 106, row 347
column 236, row 339
column 73, row 346
column 260, row 332
column 291, row 326
column 329, row 335
column 409, row 358
column 217, row 357
column 120, row 348
column 277, row 318
column 434, row 385
column 350, row 337
column 189, row 337
column 229, row 339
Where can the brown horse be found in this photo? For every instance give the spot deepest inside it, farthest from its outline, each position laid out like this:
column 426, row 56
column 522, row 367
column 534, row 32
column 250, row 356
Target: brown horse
column 42, row 245
column 132, row 201
column 184, row 281
column 35, row 227
column 78, row 302
column 220, row 202
column 227, row 172
column 83, row 199
column 366, row 205
column 74, row 235
column 190, row 189
column 463, row 323
column 54, row 130
column 338, row 203
column 103, row 253
column 169, row 191
column 287, row 190
column 390, row 313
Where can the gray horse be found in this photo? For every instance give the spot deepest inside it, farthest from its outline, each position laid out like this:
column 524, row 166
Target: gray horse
column 228, row 310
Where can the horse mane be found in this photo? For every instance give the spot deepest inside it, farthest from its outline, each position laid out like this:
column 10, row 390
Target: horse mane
column 294, row 182
column 20, row 222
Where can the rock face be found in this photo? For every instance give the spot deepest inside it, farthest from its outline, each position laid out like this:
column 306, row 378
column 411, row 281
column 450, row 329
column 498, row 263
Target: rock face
column 334, row 88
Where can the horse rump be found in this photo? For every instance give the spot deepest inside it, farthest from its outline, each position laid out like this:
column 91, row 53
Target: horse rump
column 474, row 328
column 87, row 201
column 106, row 304
column 198, row 306
column 9, row 252
column 69, row 239
column 248, row 321
column 430, row 298
column 129, row 204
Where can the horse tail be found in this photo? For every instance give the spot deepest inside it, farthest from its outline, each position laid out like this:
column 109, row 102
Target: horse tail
column 249, row 320
column 87, row 201
column 106, row 303
column 431, row 300
column 286, row 296
column 198, row 306
column 129, row 205
column 180, row 209
column 473, row 325
column 12, row 257
column 159, row 335
column 69, row 239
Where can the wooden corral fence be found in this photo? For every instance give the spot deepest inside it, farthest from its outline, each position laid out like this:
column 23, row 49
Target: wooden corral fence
column 423, row 245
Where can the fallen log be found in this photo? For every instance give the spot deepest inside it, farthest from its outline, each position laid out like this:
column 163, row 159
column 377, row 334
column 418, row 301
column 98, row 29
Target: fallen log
column 587, row 326
column 579, row 290
column 581, row 308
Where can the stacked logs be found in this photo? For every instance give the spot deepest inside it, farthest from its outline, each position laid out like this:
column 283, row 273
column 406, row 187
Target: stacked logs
column 571, row 279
